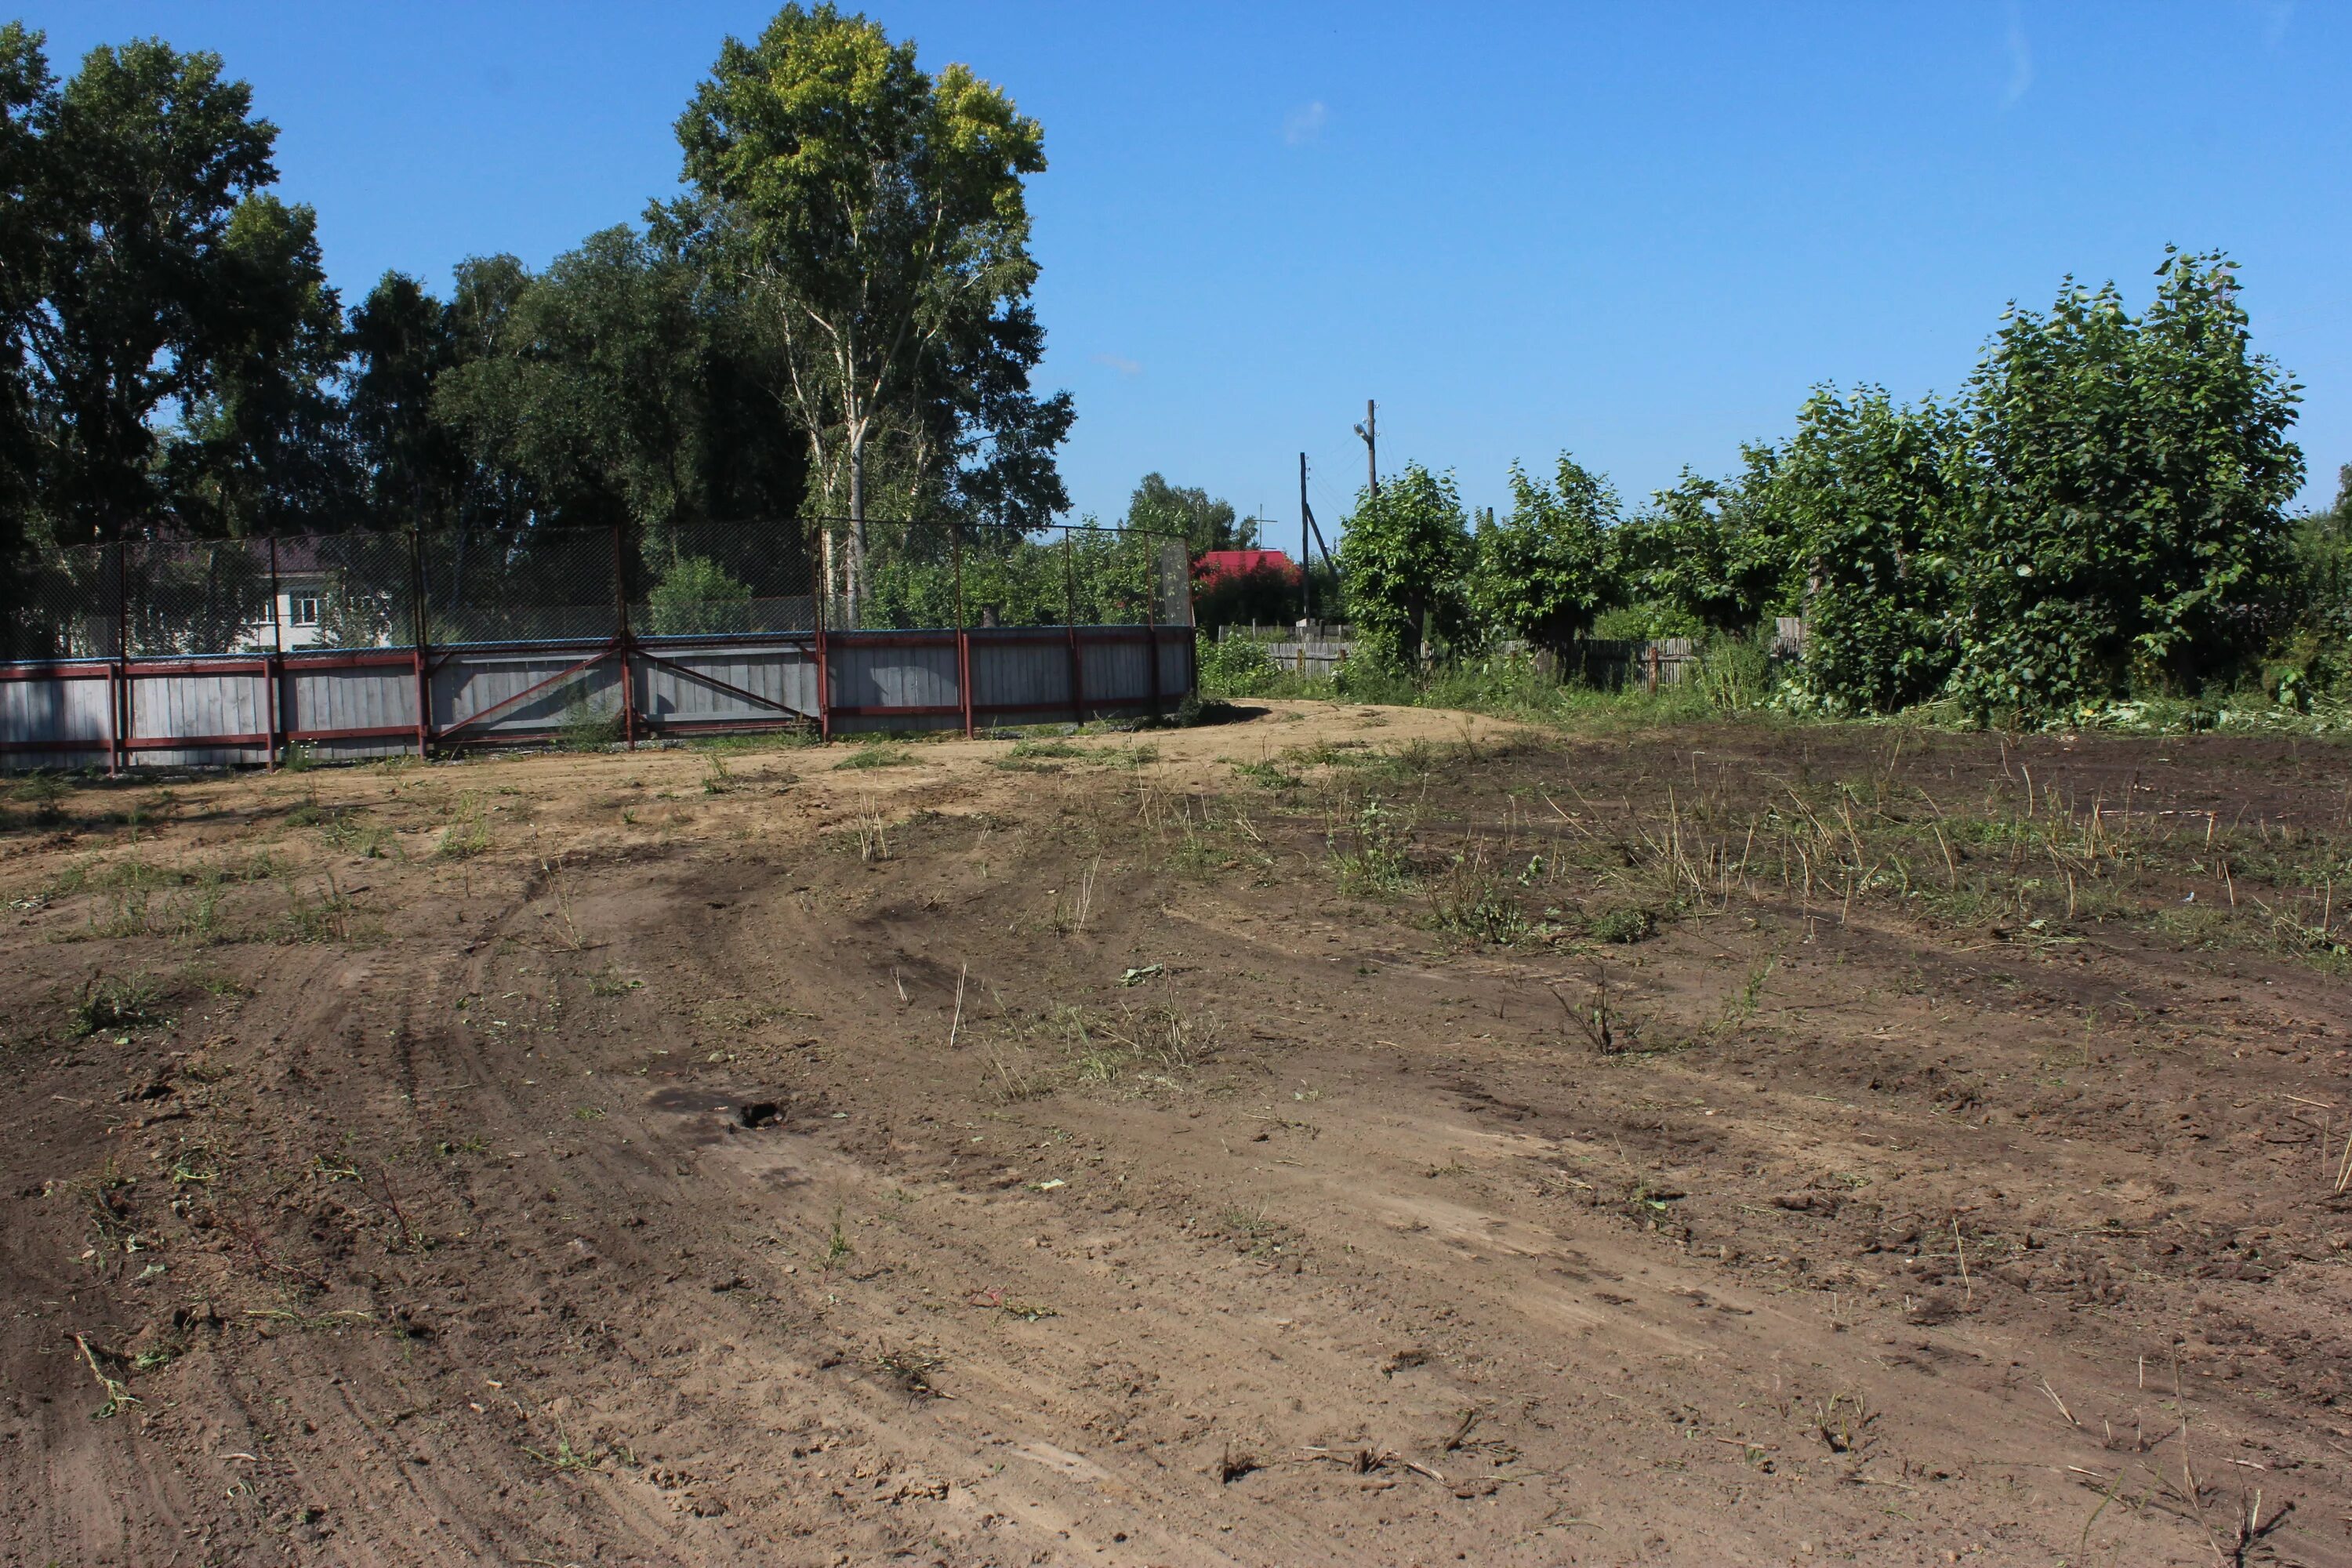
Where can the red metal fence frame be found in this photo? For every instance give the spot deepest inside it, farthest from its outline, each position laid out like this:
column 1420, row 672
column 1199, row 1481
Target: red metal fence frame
column 121, row 675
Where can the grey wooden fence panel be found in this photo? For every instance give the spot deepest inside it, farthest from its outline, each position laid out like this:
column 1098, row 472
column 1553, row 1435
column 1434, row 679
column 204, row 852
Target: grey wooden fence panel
column 1021, row 673
column 49, row 708
column 1115, row 673
column 1176, row 664
column 224, row 703
column 885, row 673
column 1020, row 683
column 475, row 682
column 784, row 674
column 370, row 698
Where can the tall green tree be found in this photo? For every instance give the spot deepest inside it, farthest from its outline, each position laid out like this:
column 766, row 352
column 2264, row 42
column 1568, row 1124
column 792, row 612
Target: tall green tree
column 871, row 212
column 169, row 279
column 1872, row 492
column 1206, row 522
column 25, row 86
column 263, row 446
column 1545, row 571
column 413, row 466
column 593, row 385
column 1403, row 557
column 2131, row 477
column 1715, row 554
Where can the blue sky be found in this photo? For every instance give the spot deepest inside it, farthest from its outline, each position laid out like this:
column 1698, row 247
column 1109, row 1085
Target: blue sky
column 1637, row 231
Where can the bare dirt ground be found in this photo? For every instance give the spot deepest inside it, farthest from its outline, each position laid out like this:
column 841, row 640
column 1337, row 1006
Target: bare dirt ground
column 1337, row 1136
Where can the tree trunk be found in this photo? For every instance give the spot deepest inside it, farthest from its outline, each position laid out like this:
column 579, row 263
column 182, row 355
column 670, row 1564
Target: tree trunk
column 856, row 519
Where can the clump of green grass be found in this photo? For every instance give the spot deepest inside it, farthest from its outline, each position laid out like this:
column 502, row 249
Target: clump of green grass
column 468, row 835
column 1376, row 856
column 1474, row 904
column 588, row 725
column 1623, row 924
column 45, row 792
column 312, row 916
column 1039, row 756
column 877, row 755
column 1269, row 774
column 108, row 1003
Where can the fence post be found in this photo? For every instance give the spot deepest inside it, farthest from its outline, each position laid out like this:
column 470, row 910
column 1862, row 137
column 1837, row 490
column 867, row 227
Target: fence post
column 122, row 650
column 1654, row 667
column 1151, row 632
column 274, row 662
column 419, row 623
column 1070, row 627
column 820, row 543
column 621, row 639
column 963, row 635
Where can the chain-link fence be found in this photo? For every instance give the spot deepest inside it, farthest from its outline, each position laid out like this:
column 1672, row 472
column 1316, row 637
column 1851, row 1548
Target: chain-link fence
column 909, row 575
column 190, row 598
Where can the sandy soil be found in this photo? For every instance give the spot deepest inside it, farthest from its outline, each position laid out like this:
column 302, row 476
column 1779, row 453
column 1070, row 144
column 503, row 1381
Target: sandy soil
column 1111, row 1158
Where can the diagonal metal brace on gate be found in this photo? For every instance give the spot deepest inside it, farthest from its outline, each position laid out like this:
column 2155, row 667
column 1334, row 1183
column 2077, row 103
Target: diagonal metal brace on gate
column 504, row 703
column 707, row 680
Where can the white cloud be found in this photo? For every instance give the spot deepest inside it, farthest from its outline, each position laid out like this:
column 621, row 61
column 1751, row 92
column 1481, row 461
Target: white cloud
column 2020, row 62
column 1123, row 365
column 1305, row 123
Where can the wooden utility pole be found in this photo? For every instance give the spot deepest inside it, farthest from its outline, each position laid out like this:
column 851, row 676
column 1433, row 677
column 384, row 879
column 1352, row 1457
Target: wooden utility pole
column 1306, row 562
column 1370, row 431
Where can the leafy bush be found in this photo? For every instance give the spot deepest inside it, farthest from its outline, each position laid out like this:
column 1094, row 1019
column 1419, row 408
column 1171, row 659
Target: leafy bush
column 1866, row 485
column 1403, row 558
column 1237, row 666
column 1545, row 572
column 2128, row 480
column 696, row 594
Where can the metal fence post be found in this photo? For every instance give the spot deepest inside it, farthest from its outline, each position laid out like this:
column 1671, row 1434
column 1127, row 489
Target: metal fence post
column 1151, row 633
column 420, row 623
column 820, row 545
column 123, row 652
column 1070, row 627
column 963, row 635
column 274, row 662
column 621, row 640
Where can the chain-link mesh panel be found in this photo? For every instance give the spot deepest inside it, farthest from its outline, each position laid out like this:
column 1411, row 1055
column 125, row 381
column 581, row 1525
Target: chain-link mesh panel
column 539, row 584
column 720, row 579
column 197, row 597
column 902, row 575
column 346, row 591
column 65, row 605
column 1172, row 583
column 1112, row 576
column 535, row 584
column 1015, row 579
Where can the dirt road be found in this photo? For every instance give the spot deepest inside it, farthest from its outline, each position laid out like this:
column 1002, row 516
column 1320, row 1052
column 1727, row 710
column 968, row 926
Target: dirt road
column 1339, row 1136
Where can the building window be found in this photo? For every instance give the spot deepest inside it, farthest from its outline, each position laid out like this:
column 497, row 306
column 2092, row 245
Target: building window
column 302, row 609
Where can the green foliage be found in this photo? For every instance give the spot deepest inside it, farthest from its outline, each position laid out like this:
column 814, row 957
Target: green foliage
column 1205, row 521
column 166, row 322
column 871, row 216
column 2128, row 476
column 2314, row 610
column 1404, row 557
column 1869, row 493
column 696, row 594
column 592, row 385
column 1545, row 572
column 1236, row 667
column 1713, row 556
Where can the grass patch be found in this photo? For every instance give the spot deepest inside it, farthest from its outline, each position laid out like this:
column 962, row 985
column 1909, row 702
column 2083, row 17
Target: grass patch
column 468, row 835
column 877, row 756
column 108, row 1004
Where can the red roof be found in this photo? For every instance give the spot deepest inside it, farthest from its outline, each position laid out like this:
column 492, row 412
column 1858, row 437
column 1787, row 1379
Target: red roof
column 1213, row 563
